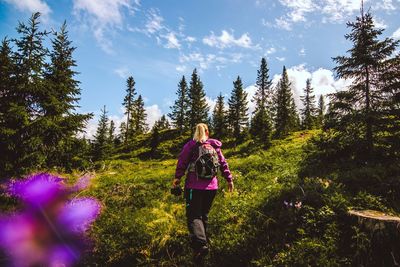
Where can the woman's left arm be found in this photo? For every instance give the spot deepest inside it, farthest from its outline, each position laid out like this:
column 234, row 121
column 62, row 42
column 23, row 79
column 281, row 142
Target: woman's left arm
column 224, row 166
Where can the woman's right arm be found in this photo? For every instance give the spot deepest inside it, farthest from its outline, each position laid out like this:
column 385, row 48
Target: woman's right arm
column 183, row 160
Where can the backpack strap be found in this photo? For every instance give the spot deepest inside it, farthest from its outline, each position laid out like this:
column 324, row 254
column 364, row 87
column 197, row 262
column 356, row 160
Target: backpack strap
column 191, row 165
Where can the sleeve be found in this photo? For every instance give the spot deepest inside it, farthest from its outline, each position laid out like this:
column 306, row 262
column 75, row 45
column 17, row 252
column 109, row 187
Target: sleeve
column 224, row 166
column 183, row 161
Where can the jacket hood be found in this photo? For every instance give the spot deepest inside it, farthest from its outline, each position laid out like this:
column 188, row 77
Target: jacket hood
column 215, row 143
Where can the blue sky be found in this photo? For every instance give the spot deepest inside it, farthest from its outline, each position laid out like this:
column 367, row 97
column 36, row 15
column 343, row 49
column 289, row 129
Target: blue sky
column 159, row 41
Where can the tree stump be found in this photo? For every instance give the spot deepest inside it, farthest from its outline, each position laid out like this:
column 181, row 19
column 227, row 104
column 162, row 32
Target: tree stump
column 383, row 231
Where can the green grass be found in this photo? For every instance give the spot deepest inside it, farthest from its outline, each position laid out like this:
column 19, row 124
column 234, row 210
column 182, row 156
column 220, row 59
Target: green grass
column 142, row 223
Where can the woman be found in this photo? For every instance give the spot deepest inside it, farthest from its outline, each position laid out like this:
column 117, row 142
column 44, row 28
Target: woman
column 200, row 189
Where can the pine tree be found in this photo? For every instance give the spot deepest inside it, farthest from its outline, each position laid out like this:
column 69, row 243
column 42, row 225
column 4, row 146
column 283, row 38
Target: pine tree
column 320, row 111
column 179, row 111
column 138, row 121
column 308, row 111
column 101, row 144
column 111, row 134
column 162, row 123
column 357, row 110
column 286, row 114
column 219, row 119
column 128, row 103
column 154, row 140
column 60, row 99
column 122, row 132
column 29, row 88
column 261, row 120
column 8, row 117
column 237, row 114
column 198, row 107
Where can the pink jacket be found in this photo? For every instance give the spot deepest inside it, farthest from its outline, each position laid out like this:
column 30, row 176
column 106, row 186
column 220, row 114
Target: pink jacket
column 186, row 156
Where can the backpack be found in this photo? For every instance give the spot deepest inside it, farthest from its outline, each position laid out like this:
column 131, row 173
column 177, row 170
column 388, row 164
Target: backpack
column 207, row 163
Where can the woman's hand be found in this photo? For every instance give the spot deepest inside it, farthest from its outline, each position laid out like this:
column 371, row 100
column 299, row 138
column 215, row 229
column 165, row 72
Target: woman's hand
column 176, row 182
column 230, row 187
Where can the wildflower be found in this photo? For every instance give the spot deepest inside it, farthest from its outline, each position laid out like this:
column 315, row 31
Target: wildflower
column 49, row 229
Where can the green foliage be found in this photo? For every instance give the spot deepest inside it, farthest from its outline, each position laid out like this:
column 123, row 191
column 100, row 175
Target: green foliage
column 237, row 113
column 219, row 119
column 179, row 111
column 286, row 119
column 198, row 107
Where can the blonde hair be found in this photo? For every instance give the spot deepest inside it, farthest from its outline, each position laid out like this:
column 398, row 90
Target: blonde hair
column 201, row 132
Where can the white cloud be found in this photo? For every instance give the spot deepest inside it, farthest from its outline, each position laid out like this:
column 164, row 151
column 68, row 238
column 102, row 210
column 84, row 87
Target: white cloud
column 122, row 72
column 172, row 41
column 380, row 23
column 271, row 50
column 103, row 16
column 190, row 39
column 153, row 114
column 281, row 59
column 282, row 23
column 154, row 22
column 322, row 81
column 396, row 34
column 227, row 39
column 211, row 103
column 32, row 6
column 181, row 68
column 302, row 52
column 334, row 11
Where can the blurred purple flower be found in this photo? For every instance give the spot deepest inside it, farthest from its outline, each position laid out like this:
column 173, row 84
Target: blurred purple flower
column 49, row 230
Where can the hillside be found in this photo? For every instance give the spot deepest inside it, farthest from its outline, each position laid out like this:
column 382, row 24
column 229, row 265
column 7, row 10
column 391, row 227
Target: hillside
column 142, row 223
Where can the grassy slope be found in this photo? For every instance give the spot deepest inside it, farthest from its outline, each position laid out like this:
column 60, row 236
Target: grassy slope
column 142, row 224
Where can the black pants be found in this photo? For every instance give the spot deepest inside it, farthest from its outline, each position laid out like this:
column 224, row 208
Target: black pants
column 198, row 204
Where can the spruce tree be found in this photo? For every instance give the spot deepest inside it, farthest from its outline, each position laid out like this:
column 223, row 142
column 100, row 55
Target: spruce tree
column 8, row 107
column 198, row 107
column 321, row 111
column 28, row 91
column 286, row 115
column 60, row 99
column 139, row 116
column 261, row 121
column 111, row 134
column 357, row 110
column 308, row 111
column 154, row 140
column 101, row 144
column 179, row 111
column 237, row 114
column 122, row 132
column 219, row 119
column 162, row 123
column 128, row 104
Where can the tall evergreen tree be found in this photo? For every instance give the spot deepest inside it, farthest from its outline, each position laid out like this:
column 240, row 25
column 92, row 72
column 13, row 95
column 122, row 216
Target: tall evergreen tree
column 357, row 110
column 179, row 111
column 26, row 111
column 198, row 107
column 162, row 123
column 219, row 119
column 237, row 114
column 138, row 121
column 7, row 109
column 285, row 119
column 60, row 99
column 122, row 132
column 128, row 103
column 261, row 120
column 308, row 111
column 111, row 134
column 321, row 111
column 101, row 144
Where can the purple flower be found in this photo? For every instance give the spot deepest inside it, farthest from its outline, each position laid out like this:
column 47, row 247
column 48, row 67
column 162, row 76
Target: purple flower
column 78, row 214
column 48, row 231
